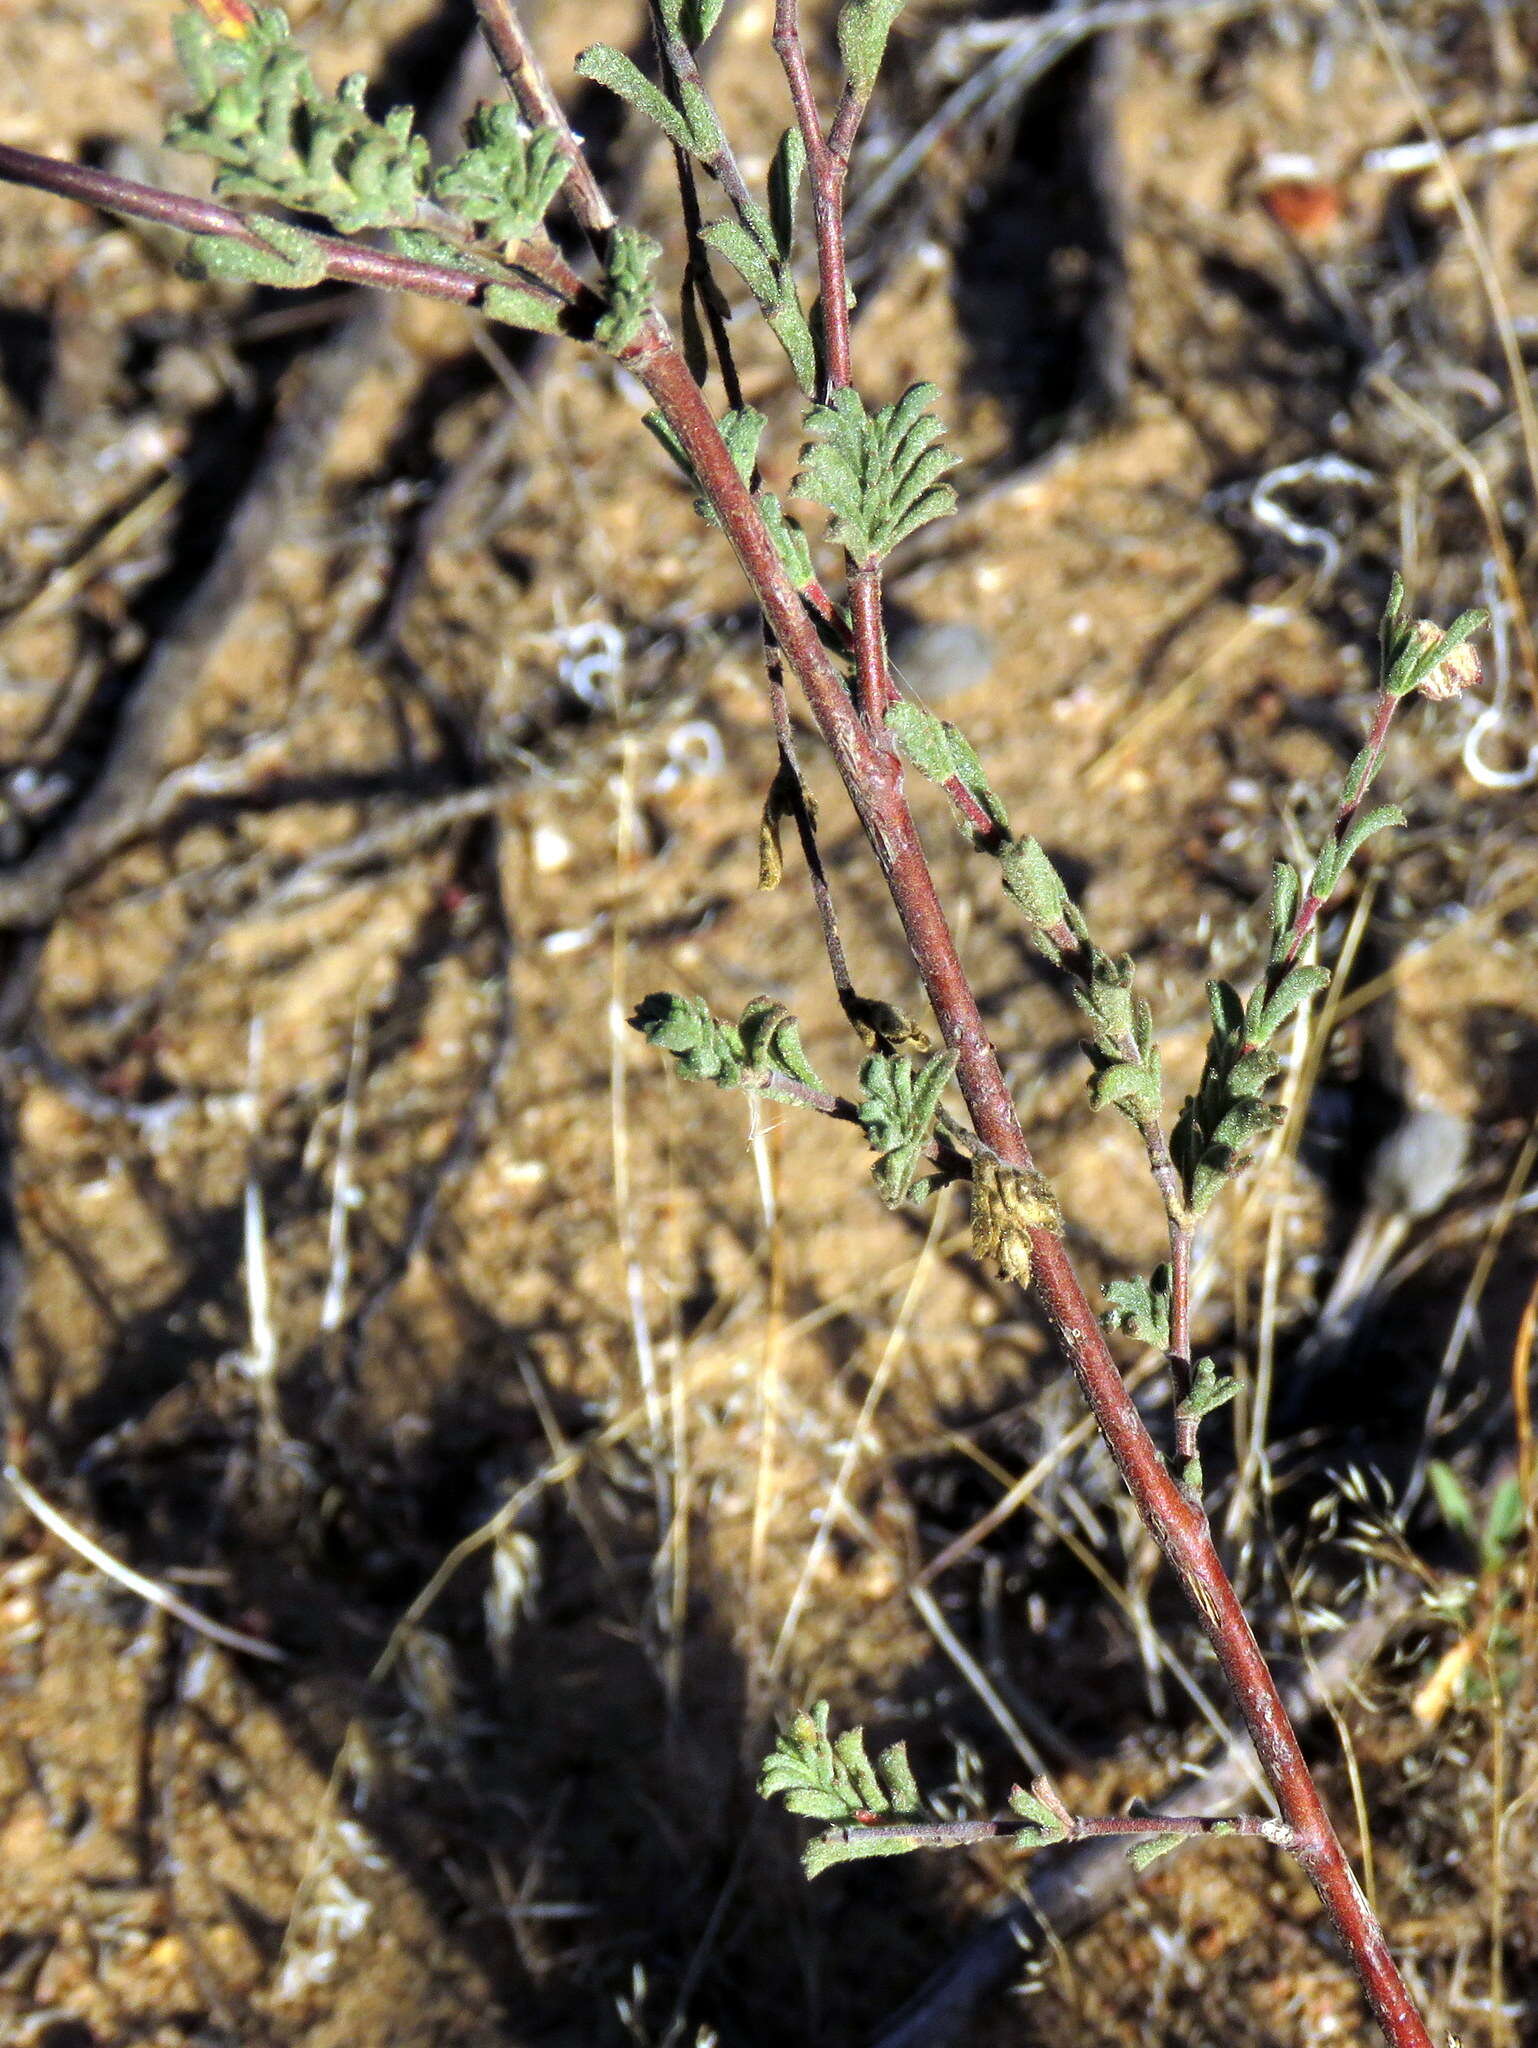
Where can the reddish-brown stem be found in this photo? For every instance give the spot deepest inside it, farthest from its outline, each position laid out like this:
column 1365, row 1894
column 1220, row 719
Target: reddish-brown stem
column 525, row 79
column 806, row 829
column 1177, row 1522
column 872, row 677
column 1371, row 754
column 827, row 165
column 1186, row 1426
column 349, row 262
column 960, row 1834
column 872, row 774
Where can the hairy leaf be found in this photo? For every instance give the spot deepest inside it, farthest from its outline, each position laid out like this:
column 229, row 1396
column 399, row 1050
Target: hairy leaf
column 877, row 475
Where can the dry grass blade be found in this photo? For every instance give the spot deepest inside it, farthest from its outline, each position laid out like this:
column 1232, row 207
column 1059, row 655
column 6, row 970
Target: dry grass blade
column 84, row 1546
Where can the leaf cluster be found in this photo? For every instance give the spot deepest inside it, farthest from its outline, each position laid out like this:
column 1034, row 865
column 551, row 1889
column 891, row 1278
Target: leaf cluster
column 275, row 135
column 831, row 1778
column 507, row 177
column 1413, row 651
column 897, row 1114
column 757, row 243
column 761, row 1051
column 1121, row 1049
column 1226, row 1117
column 876, row 474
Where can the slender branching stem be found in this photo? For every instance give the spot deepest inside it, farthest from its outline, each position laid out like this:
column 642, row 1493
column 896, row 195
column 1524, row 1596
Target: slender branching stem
column 806, row 827
column 525, row 79
column 872, row 775
column 1175, row 1519
column 1308, row 910
column 827, row 168
column 683, row 67
column 961, row 1834
column 348, row 262
column 872, row 677
column 1182, row 1242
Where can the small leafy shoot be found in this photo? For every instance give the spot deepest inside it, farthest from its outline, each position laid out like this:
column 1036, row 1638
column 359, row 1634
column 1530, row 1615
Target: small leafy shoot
column 1046, row 1820
column 832, row 1779
column 897, row 1115
column 761, row 1051
column 1141, row 1308
column 507, row 177
column 876, row 474
column 275, row 135
column 1210, row 1390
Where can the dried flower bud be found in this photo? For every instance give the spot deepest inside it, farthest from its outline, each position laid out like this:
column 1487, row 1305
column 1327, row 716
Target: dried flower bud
column 232, row 18
column 1462, row 670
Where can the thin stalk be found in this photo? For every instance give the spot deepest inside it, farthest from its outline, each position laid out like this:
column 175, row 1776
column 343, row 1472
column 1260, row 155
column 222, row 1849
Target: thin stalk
column 960, row 1834
column 1177, row 1522
column 827, row 168
column 524, row 77
column 349, row 262
column 1308, row 910
column 873, row 777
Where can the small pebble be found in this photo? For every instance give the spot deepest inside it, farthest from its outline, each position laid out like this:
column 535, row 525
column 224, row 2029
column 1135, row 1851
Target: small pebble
column 939, row 658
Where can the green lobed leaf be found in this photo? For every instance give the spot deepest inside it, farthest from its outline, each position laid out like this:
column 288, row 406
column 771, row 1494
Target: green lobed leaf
column 627, row 278
column 507, row 176
column 705, row 1049
column 897, row 1115
column 853, row 1845
column 274, row 135
column 771, row 1042
column 875, row 474
column 289, row 259
column 1209, row 1390
column 1141, row 1308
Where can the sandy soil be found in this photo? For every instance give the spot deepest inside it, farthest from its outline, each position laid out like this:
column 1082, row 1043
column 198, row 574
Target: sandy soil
column 354, row 1221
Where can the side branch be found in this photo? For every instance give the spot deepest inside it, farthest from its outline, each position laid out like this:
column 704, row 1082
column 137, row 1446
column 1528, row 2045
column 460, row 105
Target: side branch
column 348, row 262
